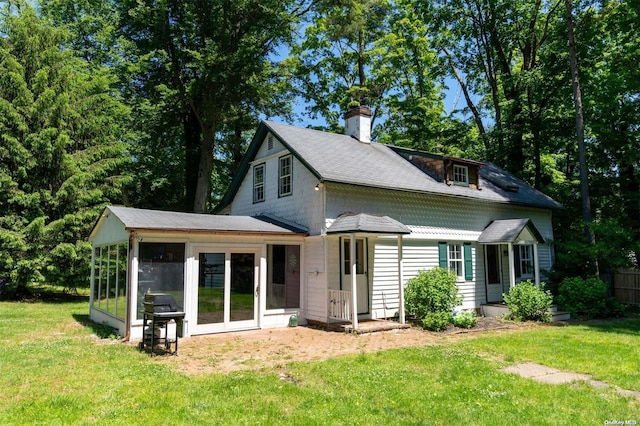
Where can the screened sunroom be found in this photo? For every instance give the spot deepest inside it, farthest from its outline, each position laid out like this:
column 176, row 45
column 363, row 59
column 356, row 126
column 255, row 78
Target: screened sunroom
column 226, row 272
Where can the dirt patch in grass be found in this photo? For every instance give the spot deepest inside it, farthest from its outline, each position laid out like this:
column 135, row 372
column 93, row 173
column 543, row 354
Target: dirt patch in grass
column 273, row 349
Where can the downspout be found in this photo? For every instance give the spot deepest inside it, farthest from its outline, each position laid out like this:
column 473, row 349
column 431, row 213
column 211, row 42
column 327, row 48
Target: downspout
column 127, row 322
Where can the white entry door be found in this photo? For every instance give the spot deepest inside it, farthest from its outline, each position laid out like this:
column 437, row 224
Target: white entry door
column 362, row 280
column 494, row 282
column 227, row 292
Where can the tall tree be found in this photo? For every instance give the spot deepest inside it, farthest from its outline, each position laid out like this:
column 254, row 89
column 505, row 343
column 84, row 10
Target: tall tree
column 493, row 47
column 582, row 156
column 377, row 53
column 334, row 62
column 609, row 41
column 61, row 155
column 206, row 59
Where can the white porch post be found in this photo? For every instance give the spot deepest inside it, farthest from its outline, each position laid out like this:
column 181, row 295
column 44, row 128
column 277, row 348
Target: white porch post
column 512, row 269
column 400, row 281
column 354, row 281
column 536, row 264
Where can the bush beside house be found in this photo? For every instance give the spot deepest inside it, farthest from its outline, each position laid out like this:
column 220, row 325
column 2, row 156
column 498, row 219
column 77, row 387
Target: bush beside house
column 431, row 296
column 529, row 302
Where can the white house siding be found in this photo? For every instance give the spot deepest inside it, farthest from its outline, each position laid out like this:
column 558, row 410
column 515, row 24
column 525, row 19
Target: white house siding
column 432, row 216
column 315, row 285
column 431, row 219
column 303, row 206
column 417, row 255
column 384, row 300
column 110, row 231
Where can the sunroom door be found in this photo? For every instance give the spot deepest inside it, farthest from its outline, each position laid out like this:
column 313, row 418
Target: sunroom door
column 227, row 293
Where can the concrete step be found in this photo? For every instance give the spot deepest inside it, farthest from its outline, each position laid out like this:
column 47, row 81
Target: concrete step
column 498, row 310
column 560, row 316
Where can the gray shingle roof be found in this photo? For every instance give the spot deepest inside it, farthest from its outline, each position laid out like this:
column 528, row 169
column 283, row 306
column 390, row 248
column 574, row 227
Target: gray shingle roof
column 367, row 223
column 175, row 221
column 507, row 231
column 340, row 158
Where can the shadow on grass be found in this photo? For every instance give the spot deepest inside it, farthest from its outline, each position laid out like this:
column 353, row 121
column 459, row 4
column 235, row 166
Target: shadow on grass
column 103, row 331
column 45, row 294
column 628, row 325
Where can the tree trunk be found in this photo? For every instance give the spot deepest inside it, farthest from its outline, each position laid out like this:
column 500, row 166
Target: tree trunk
column 204, row 171
column 192, row 133
column 582, row 157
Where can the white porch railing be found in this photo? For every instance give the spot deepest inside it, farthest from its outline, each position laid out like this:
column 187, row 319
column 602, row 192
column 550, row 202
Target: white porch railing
column 340, row 305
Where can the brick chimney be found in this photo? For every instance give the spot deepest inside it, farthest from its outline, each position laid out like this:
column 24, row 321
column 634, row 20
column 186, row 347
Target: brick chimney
column 357, row 123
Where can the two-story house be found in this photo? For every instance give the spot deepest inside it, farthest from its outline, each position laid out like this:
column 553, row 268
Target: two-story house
column 323, row 225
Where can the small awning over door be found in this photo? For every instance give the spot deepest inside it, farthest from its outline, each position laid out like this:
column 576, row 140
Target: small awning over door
column 510, row 231
column 354, row 224
column 514, row 233
column 367, row 223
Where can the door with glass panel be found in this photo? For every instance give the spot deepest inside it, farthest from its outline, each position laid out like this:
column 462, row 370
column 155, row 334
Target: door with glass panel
column 227, row 294
column 362, row 280
column 494, row 282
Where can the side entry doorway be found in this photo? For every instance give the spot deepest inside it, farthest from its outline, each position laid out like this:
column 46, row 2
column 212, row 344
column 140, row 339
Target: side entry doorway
column 362, row 279
column 227, row 293
column 494, row 282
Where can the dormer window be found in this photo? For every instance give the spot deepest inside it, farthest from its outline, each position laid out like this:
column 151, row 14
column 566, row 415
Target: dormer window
column 258, row 183
column 460, row 175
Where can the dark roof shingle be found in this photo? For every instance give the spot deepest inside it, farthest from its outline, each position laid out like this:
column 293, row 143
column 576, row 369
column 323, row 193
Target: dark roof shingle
column 133, row 218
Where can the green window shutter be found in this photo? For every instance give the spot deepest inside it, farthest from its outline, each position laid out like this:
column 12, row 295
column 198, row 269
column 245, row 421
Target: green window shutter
column 468, row 264
column 443, row 256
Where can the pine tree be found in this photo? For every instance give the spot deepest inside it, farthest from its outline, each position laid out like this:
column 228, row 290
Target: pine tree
column 62, row 152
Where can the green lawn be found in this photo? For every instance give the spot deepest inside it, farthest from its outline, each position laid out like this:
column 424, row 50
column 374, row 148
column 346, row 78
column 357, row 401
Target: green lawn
column 54, row 372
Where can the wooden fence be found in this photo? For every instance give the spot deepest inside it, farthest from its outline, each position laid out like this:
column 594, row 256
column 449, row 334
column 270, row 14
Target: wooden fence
column 626, row 286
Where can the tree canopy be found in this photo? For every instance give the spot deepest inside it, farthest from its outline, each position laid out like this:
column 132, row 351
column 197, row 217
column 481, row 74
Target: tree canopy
column 63, row 152
column 152, row 104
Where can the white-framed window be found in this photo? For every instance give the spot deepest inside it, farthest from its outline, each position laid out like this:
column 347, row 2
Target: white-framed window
column 458, row 258
column 460, row 174
column 525, row 261
column 455, row 259
column 285, row 176
column 109, row 285
column 258, row 183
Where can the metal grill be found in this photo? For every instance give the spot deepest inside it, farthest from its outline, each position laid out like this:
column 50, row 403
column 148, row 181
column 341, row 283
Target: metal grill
column 162, row 317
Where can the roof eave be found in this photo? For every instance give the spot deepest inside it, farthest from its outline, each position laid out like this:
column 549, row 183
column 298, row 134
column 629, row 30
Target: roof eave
column 215, row 231
column 444, row 194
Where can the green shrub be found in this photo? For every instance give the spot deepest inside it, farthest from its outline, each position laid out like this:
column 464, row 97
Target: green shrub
column 432, row 291
column 588, row 298
column 436, row 321
column 465, row 319
column 615, row 308
column 529, row 302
